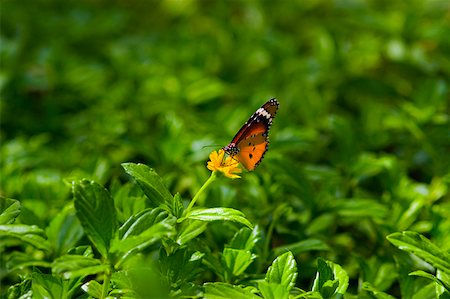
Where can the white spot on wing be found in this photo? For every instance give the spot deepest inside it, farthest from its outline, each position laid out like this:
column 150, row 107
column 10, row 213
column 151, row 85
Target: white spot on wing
column 263, row 112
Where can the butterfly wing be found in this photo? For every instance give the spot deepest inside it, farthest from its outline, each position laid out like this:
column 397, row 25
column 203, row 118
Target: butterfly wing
column 251, row 141
column 252, row 150
column 265, row 115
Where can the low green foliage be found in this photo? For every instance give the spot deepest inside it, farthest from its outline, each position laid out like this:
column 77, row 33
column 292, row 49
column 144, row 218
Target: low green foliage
column 351, row 201
column 120, row 247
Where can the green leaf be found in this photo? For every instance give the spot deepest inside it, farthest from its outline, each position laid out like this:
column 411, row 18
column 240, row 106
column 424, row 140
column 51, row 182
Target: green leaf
column 375, row 292
column 142, row 277
column 64, row 231
column 84, row 250
column 121, row 280
column 360, row 208
column 220, row 290
column 245, row 238
column 180, row 267
column 341, row 276
column 141, row 231
column 19, row 260
column 283, row 271
column 324, row 273
column 302, row 246
column 178, row 208
column 423, row 248
column 424, row 274
column 21, row 229
column 20, row 290
column 329, row 288
column 331, row 279
column 126, row 202
column 410, row 215
column 237, row 260
column 95, row 210
column 9, row 210
column 216, row 265
column 49, row 286
column 93, row 288
column 152, row 185
column 273, row 290
column 444, row 277
column 46, row 286
column 386, row 275
column 215, row 214
column 430, row 290
column 379, row 273
column 140, row 222
column 71, row 266
column 189, row 230
column 151, row 235
column 30, row 234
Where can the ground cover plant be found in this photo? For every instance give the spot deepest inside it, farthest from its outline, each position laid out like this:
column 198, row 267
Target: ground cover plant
column 111, row 111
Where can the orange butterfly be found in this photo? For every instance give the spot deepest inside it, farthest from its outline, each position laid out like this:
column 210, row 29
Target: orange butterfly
column 251, row 141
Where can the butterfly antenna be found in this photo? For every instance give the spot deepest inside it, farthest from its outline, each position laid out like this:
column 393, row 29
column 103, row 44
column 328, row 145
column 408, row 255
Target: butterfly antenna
column 212, row 145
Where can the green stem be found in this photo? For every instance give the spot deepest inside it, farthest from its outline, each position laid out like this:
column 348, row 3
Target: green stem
column 276, row 215
column 211, row 179
column 106, row 280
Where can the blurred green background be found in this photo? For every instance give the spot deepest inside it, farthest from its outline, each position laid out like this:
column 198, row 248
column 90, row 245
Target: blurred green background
column 364, row 96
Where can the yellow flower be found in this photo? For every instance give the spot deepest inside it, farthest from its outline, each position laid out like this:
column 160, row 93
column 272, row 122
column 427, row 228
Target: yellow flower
column 228, row 166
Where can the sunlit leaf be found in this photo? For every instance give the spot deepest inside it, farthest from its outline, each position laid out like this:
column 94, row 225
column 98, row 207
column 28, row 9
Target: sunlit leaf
column 302, row 246
column 219, row 290
column 215, row 214
column 283, row 271
column 237, row 260
column 177, row 208
column 9, row 210
column 76, row 265
column 152, row 185
column 93, row 288
column 189, row 230
column 331, row 279
column 245, row 238
column 273, row 290
column 433, row 278
column 423, row 248
column 138, row 223
column 29, row 234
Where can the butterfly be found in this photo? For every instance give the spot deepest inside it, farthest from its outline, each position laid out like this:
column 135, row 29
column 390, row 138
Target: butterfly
column 251, row 141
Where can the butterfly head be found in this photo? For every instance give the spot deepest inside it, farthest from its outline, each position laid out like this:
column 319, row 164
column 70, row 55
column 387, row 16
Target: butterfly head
column 231, row 149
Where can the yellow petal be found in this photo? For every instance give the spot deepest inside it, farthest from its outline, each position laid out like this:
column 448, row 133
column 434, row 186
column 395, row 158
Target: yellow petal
column 229, row 166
